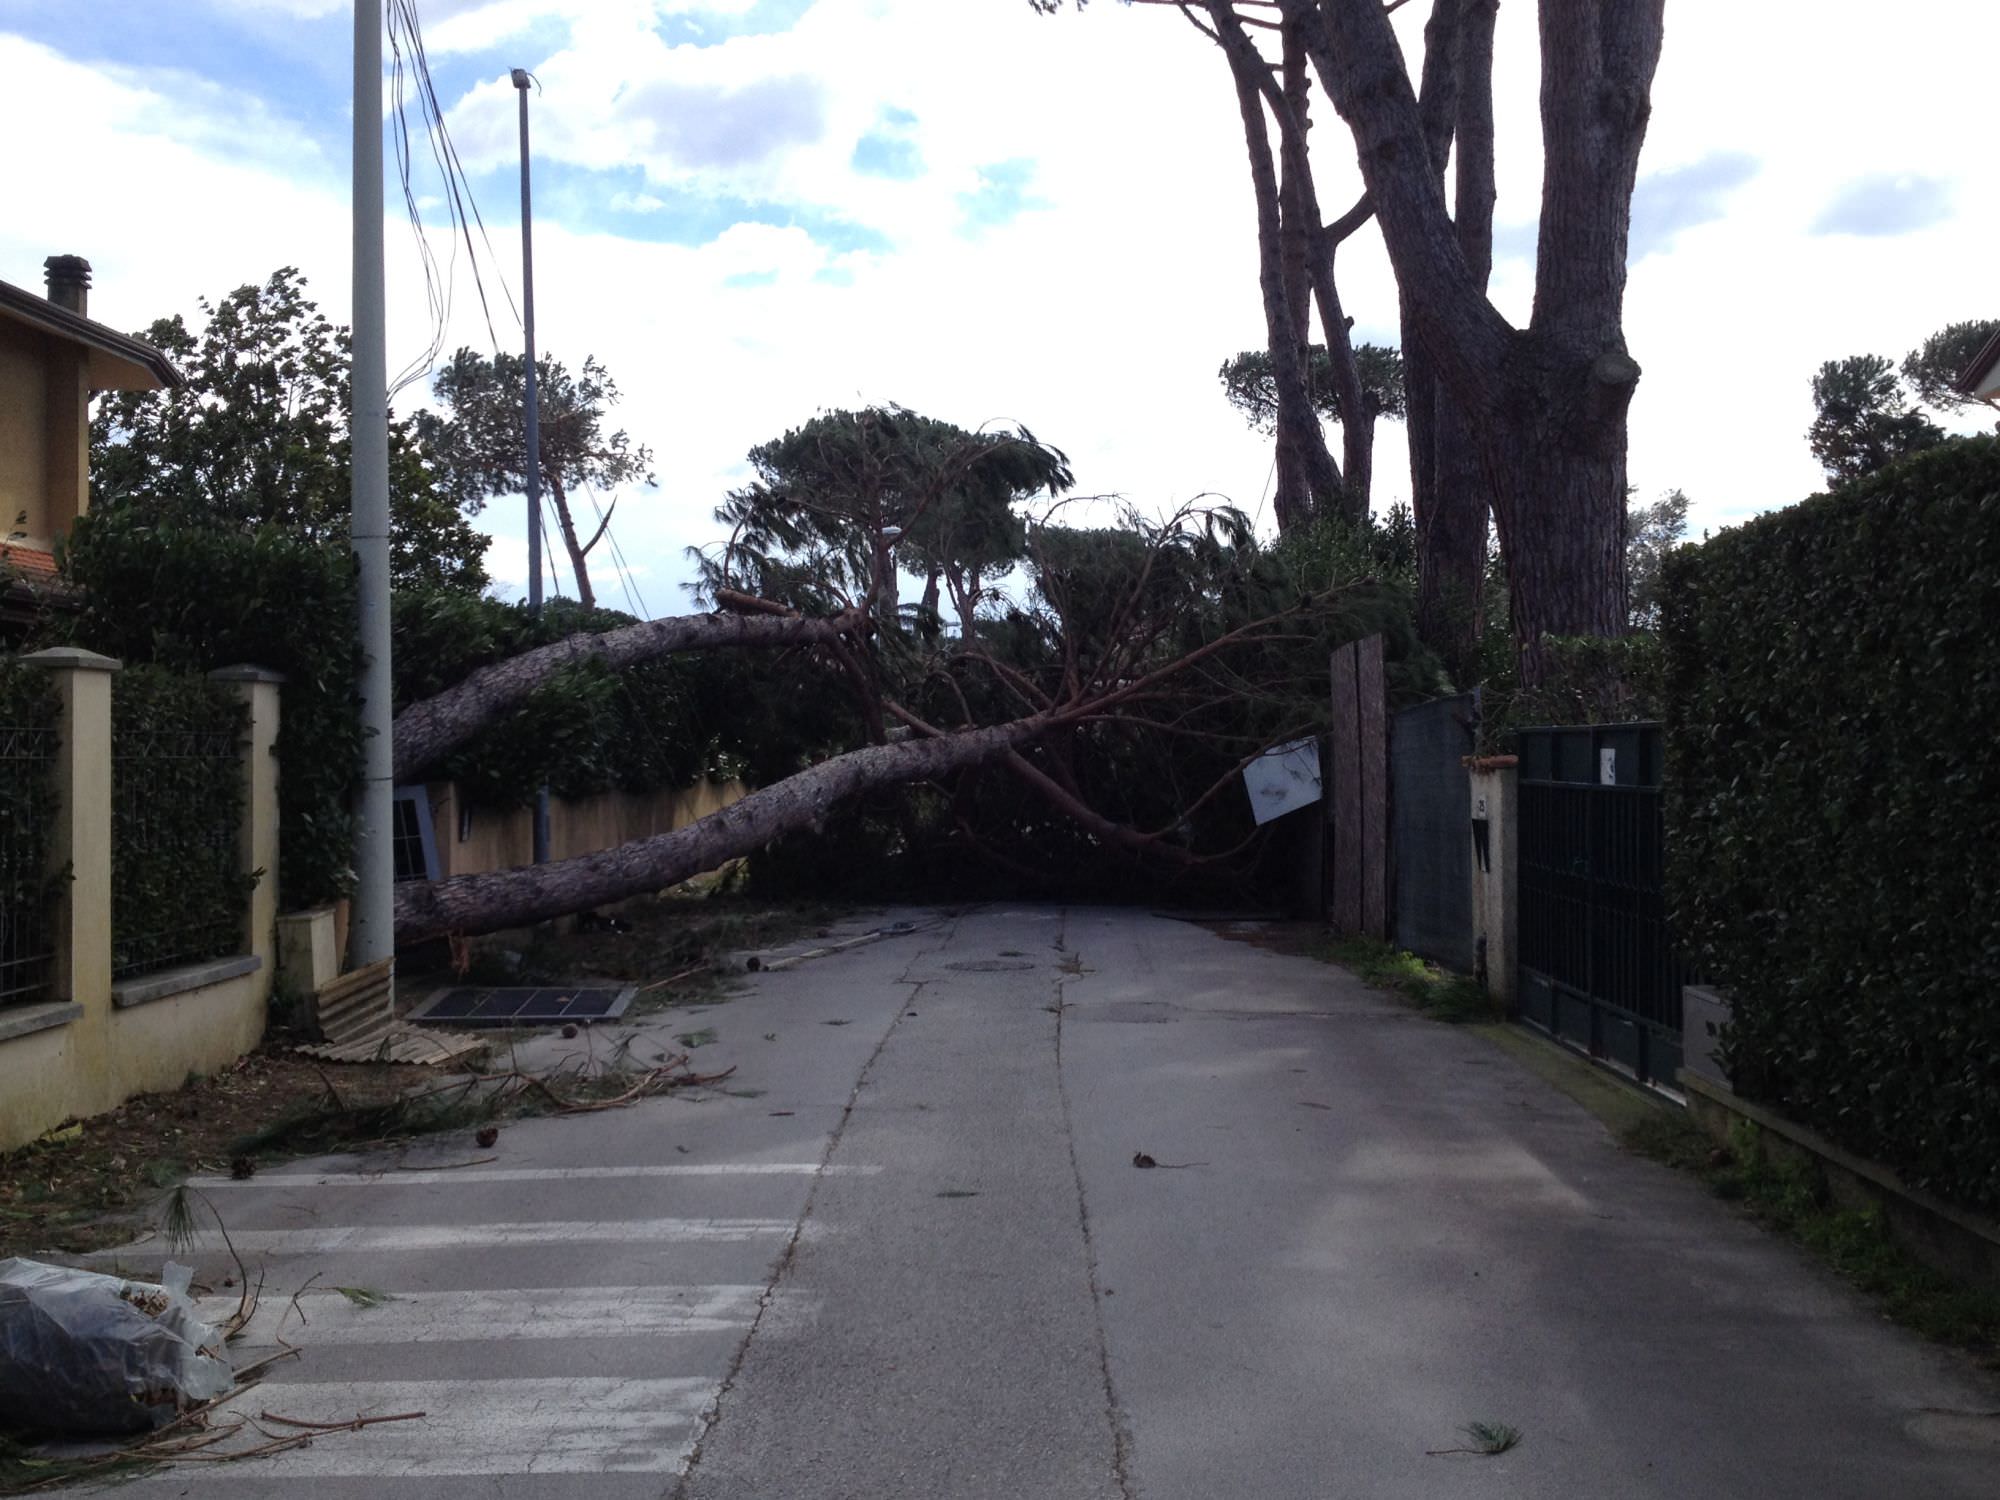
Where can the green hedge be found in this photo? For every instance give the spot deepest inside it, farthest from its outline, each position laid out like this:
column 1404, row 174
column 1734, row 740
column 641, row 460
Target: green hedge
column 196, row 597
column 30, row 715
column 178, row 890
column 656, row 726
column 1832, row 693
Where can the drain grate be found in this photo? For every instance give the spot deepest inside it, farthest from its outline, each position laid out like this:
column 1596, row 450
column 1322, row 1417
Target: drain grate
column 547, row 1005
column 990, row 965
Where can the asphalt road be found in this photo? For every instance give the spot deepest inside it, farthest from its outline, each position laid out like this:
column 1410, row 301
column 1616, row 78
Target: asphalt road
column 909, row 1257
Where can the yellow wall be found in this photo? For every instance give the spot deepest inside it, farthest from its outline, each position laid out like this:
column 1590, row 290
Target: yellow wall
column 505, row 840
column 44, row 435
column 24, row 447
column 88, row 1063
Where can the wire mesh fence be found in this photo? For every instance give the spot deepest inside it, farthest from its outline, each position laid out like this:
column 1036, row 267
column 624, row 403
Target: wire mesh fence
column 27, row 885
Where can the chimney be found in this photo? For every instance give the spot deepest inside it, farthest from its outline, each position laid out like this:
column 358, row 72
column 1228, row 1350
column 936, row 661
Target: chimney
column 69, row 282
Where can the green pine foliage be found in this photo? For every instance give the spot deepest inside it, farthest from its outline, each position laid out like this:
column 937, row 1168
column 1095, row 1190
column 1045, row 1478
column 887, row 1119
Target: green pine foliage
column 1833, row 795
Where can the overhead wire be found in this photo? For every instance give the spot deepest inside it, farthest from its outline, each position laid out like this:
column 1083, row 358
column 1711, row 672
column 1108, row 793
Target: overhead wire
column 410, row 60
column 406, row 43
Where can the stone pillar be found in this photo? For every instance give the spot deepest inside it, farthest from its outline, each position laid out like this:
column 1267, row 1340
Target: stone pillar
column 81, row 843
column 257, row 689
column 1494, row 903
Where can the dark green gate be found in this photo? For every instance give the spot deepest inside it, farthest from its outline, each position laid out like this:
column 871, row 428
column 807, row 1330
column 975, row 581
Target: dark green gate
column 1598, row 966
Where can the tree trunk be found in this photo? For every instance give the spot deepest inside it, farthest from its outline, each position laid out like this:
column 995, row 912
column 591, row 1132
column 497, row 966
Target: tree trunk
column 586, row 595
column 1550, row 470
column 471, row 904
column 1306, row 471
column 1547, row 405
column 428, row 731
column 1452, row 569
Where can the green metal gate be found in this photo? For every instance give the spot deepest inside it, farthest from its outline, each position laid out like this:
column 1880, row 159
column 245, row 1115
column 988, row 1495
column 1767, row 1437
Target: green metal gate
column 1598, row 965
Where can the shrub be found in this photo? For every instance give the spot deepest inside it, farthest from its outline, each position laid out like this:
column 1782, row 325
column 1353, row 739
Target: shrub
column 1833, row 791
column 29, row 717
column 177, row 884
column 197, row 596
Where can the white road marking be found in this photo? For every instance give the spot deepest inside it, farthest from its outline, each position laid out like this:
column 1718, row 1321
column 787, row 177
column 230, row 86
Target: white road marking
column 375, row 1237
column 421, row 1177
column 483, row 1427
column 331, row 1317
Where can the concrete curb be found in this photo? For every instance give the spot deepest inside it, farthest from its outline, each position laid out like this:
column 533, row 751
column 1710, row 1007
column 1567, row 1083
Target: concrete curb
column 1946, row 1238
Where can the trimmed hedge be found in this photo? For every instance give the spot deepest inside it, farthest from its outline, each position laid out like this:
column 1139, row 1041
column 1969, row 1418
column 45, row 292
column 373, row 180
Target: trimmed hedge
column 196, row 597
column 30, row 715
column 1834, row 796
column 178, row 891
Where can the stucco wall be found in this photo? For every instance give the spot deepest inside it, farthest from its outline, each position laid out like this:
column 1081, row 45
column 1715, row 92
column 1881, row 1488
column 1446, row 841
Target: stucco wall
column 92, row 1044
column 505, row 840
column 24, row 418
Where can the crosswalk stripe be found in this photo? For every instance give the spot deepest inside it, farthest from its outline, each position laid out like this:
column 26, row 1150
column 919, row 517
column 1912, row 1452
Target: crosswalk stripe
column 331, row 1316
column 420, row 1177
column 373, row 1237
column 471, row 1427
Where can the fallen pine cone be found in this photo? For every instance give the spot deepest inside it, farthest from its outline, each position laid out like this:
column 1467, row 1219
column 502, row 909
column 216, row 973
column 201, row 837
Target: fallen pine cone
column 569, row 1032
column 242, row 1169
column 488, row 1134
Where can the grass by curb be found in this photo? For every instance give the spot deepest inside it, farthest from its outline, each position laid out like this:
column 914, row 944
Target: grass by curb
column 1791, row 1199
column 1438, row 993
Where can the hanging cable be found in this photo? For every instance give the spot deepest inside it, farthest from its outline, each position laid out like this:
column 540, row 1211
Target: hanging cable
column 462, row 208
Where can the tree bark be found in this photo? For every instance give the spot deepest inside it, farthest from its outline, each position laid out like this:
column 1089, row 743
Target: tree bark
column 427, row 731
column 471, row 904
column 1546, row 405
column 586, row 595
column 1306, row 471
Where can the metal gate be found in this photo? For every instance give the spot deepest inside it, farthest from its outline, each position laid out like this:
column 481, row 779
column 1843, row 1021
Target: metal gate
column 1430, row 810
column 1598, row 965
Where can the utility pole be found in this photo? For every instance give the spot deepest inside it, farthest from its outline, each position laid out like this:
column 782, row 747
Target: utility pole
column 522, row 79
column 373, row 931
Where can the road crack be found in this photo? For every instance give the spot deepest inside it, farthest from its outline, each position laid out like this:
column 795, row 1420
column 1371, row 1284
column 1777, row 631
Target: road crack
column 1121, row 1437
column 711, row 1416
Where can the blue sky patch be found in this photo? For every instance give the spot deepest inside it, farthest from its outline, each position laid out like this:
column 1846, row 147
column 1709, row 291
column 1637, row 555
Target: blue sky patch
column 620, row 201
column 1886, row 203
column 745, row 279
column 710, row 28
column 1001, row 197
column 1665, row 203
column 890, row 150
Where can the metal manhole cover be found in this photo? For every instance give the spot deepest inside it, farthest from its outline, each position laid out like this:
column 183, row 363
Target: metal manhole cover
column 544, row 1005
column 990, row 965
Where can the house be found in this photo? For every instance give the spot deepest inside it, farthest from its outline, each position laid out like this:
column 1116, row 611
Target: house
column 53, row 358
column 1981, row 378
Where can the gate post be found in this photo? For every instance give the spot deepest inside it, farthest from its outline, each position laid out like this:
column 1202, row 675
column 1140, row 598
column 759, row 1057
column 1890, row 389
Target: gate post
column 1494, row 889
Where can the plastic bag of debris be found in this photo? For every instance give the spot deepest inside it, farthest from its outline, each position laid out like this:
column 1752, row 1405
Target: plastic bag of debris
column 85, row 1353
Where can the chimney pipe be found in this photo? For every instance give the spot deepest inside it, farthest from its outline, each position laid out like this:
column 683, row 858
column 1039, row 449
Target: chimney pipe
column 69, row 282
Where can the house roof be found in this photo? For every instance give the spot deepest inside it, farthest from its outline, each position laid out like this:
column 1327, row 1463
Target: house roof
column 26, row 562
column 118, row 362
column 1974, row 375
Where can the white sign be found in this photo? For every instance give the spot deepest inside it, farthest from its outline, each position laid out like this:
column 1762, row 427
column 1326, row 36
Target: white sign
column 1283, row 779
column 1607, row 768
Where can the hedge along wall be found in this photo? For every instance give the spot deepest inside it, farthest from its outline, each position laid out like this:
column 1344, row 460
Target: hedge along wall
column 196, row 598
column 29, row 717
column 178, row 891
column 1833, row 692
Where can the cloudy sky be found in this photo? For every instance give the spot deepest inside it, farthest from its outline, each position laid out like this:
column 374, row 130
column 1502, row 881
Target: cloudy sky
column 752, row 210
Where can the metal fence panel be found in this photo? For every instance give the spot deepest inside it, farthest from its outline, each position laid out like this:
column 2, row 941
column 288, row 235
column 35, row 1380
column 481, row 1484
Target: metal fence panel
column 1431, row 806
column 1599, row 966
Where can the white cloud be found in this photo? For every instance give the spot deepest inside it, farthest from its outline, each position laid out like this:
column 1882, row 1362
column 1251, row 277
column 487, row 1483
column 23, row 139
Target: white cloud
column 1100, row 319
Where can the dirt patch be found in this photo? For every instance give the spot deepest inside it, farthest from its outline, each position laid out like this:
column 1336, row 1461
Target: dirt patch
column 89, row 1185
